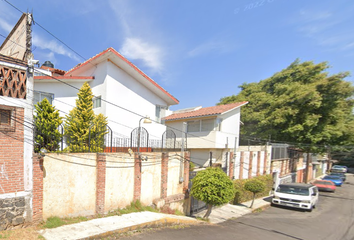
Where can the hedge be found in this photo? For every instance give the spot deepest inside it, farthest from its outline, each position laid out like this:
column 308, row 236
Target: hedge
column 242, row 195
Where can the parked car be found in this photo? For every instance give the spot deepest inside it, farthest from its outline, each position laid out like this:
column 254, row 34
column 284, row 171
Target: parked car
column 325, row 185
column 335, row 179
column 296, row 195
column 340, row 174
column 339, row 168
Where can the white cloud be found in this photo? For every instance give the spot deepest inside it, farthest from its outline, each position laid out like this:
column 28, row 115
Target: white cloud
column 53, row 46
column 137, row 49
column 211, row 46
column 326, row 29
column 314, row 16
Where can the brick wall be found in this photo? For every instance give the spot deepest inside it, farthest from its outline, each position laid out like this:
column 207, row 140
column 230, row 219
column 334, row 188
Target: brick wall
column 100, row 183
column 137, row 177
column 38, row 175
column 11, row 154
column 164, row 175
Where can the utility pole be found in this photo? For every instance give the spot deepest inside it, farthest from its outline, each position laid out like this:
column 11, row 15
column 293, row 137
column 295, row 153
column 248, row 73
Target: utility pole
column 211, row 159
column 329, row 157
column 184, row 130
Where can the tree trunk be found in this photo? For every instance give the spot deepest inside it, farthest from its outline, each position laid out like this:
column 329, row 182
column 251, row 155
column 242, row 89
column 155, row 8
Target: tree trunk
column 207, row 214
column 254, row 196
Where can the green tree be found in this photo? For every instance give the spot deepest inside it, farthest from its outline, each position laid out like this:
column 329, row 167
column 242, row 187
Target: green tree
column 83, row 129
column 213, row 187
column 301, row 104
column 47, row 121
column 254, row 186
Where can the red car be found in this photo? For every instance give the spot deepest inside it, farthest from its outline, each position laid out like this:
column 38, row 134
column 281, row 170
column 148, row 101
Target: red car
column 324, row 185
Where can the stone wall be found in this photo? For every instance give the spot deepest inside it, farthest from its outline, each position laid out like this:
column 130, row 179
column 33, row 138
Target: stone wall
column 12, row 212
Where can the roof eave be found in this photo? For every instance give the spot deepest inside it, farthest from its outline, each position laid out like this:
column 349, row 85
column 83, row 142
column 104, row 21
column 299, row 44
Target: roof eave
column 201, row 116
column 234, row 108
column 120, row 61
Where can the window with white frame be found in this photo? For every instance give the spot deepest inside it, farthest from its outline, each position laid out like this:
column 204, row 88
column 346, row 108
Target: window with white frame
column 204, row 125
column 39, row 96
column 96, row 102
column 160, row 112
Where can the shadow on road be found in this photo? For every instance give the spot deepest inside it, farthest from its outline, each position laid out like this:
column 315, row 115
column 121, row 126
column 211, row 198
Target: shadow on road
column 268, row 230
column 328, row 196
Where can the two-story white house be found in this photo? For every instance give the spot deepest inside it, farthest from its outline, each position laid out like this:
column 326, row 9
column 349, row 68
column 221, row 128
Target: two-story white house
column 211, row 132
column 122, row 92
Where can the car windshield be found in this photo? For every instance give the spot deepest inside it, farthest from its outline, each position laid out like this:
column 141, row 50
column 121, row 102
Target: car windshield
column 293, row 190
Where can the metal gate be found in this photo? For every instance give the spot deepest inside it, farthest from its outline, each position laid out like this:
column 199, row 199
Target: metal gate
column 196, row 205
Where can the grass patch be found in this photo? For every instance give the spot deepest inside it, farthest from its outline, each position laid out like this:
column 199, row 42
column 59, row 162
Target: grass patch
column 136, row 206
column 203, row 219
column 54, row 222
column 4, row 235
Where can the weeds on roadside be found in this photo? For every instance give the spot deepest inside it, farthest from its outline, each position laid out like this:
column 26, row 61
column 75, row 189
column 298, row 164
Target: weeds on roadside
column 54, row 222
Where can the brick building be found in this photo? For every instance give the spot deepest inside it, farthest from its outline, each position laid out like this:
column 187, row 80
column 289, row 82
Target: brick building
column 16, row 128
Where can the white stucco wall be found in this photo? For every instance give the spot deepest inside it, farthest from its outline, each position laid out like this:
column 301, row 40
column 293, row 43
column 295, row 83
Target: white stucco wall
column 131, row 100
column 64, row 95
column 246, row 165
column 128, row 93
column 69, row 185
column 223, row 139
column 151, row 178
column 173, row 184
column 119, row 181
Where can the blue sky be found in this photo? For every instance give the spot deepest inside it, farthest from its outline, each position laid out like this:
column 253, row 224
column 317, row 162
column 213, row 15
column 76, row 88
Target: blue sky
column 199, row 51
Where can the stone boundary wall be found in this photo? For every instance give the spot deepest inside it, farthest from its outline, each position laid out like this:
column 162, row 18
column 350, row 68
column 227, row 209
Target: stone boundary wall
column 249, row 164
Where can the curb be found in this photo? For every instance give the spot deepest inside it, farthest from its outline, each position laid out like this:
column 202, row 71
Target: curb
column 165, row 222
column 264, row 207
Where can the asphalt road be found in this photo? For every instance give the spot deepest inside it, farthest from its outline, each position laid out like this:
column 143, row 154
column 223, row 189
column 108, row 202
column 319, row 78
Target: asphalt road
column 333, row 219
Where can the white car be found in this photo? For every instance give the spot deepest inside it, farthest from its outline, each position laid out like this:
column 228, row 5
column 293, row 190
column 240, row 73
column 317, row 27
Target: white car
column 339, row 168
column 296, row 195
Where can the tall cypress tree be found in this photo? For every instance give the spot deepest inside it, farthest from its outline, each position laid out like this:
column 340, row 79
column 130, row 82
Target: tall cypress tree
column 46, row 121
column 83, row 129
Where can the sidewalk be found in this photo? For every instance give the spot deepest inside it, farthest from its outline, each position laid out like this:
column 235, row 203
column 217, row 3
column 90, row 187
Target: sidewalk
column 221, row 214
column 101, row 227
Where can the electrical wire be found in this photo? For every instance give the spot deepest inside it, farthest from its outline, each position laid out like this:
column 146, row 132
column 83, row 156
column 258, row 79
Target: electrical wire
column 273, row 141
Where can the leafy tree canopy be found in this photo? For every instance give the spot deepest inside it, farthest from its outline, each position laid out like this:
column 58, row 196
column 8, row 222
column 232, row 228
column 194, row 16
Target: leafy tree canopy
column 300, row 104
column 254, row 186
column 213, row 187
column 47, row 121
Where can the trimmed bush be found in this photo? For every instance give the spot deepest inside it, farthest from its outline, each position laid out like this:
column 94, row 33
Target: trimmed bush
column 242, row 195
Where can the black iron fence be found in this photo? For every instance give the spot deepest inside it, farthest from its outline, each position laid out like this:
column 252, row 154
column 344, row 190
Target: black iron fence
column 139, row 141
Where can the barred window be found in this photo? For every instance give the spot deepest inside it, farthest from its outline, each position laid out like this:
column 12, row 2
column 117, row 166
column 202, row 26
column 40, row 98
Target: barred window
column 5, row 117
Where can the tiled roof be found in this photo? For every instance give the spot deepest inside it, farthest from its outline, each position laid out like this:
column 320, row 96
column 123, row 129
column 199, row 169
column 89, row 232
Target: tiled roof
column 129, row 63
column 208, row 111
column 54, row 70
column 63, row 77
